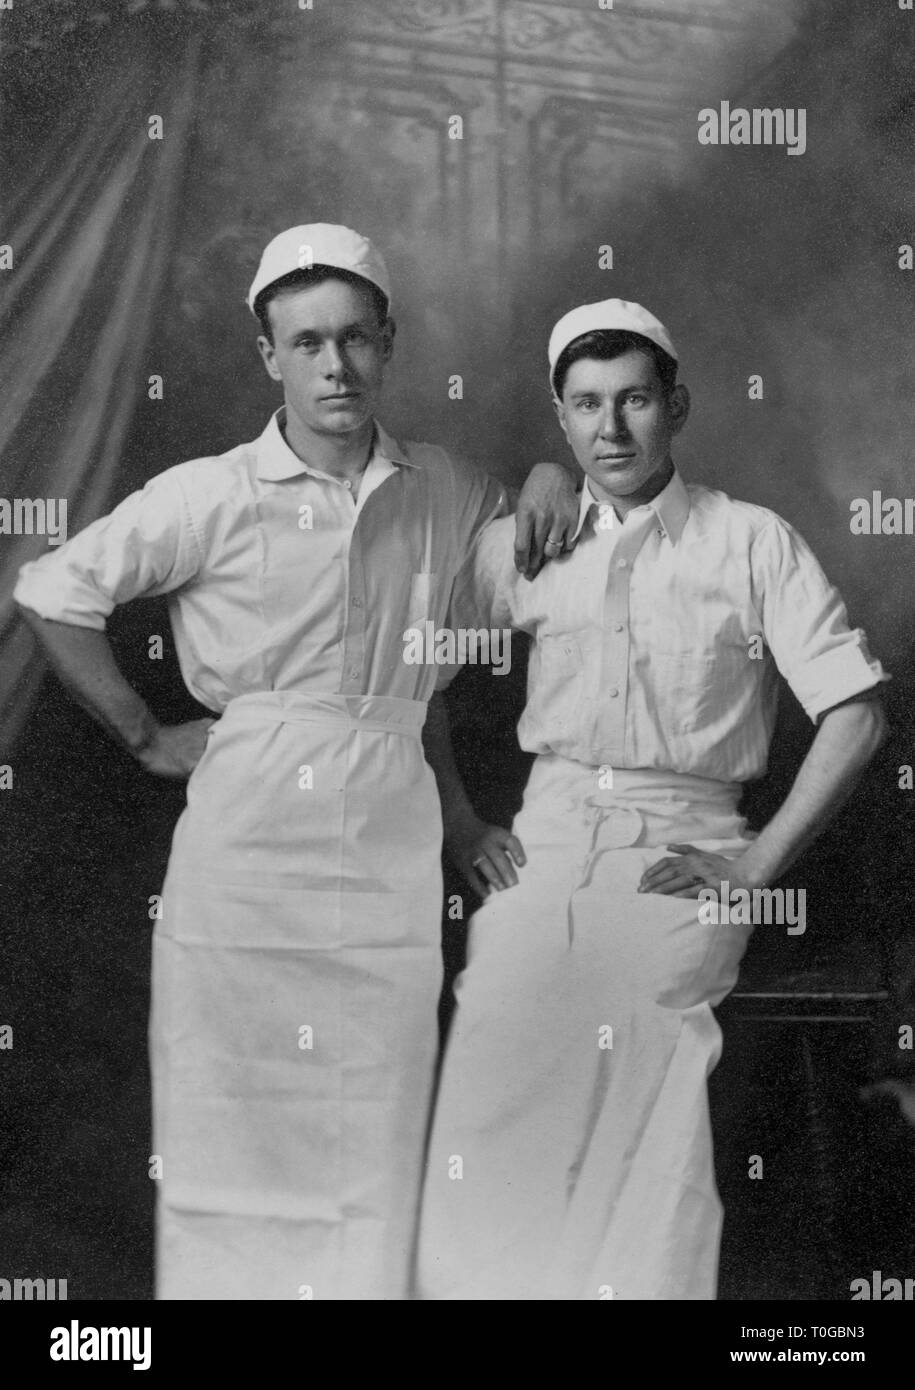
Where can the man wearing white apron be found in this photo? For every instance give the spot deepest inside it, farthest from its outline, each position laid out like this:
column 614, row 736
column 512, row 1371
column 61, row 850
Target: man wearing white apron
column 296, row 968
column 571, row 1151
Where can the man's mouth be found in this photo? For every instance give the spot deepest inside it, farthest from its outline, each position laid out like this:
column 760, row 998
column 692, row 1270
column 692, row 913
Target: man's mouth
column 614, row 458
column 341, row 396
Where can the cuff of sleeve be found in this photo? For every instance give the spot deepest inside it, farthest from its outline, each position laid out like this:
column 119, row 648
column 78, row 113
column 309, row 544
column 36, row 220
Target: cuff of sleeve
column 836, row 676
column 47, row 596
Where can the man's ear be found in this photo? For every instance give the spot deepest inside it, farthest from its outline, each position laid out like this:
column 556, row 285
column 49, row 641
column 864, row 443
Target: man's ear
column 268, row 353
column 560, row 414
column 679, row 405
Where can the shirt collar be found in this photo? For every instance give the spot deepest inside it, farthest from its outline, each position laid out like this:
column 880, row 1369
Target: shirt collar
column 276, row 461
column 671, row 507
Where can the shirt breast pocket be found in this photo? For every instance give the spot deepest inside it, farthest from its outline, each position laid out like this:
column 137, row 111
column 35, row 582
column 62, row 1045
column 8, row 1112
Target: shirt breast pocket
column 558, row 668
column 692, row 690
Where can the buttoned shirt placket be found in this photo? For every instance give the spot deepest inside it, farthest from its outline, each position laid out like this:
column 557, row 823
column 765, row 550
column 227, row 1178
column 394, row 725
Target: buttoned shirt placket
column 376, row 471
column 354, row 616
column 615, row 655
column 613, row 824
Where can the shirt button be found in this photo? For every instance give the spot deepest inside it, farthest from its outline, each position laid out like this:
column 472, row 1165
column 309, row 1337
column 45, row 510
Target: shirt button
column 347, row 484
column 613, row 693
column 357, row 602
column 621, row 564
column 619, row 627
column 353, row 674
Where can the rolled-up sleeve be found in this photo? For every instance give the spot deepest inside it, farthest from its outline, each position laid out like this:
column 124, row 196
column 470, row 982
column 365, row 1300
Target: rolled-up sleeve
column 480, row 503
column 805, row 623
column 482, row 594
column 480, row 500
column 146, row 546
column 484, row 585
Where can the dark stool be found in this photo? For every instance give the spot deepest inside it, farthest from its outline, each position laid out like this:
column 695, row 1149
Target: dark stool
column 805, row 1007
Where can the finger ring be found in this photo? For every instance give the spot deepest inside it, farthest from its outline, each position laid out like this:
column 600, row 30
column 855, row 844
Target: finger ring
column 556, row 545
column 475, row 862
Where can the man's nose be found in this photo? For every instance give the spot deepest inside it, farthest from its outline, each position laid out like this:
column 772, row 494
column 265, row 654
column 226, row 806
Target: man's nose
column 332, row 363
column 613, row 424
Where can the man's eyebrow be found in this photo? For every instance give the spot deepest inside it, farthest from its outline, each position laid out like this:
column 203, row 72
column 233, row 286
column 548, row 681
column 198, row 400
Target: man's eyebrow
column 304, row 333
column 583, row 392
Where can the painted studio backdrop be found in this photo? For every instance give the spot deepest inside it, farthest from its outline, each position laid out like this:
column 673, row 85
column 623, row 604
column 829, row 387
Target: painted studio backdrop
column 512, row 158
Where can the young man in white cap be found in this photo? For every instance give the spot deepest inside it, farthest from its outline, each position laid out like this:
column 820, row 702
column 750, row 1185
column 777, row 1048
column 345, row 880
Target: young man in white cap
column 573, row 1103
column 296, row 967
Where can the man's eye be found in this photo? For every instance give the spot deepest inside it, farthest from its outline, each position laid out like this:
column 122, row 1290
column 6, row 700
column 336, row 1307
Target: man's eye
column 309, row 344
column 356, row 335
column 586, row 405
column 636, row 398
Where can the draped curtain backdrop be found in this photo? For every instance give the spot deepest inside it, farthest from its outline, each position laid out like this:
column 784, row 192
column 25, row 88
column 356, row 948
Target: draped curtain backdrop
column 91, row 222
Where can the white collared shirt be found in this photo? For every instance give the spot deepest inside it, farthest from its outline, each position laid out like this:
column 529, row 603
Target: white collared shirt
column 277, row 579
column 657, row 639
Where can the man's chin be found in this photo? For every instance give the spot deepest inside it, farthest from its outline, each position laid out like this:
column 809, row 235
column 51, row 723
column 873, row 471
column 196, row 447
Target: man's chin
column 615, row 483
column 344, row 420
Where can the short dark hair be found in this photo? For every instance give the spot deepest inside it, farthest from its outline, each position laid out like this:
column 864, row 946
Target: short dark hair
column 298, row 279
column 607, row 343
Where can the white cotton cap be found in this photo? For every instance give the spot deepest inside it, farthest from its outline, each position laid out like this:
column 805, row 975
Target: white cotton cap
column 607, row 314
column 320, row 244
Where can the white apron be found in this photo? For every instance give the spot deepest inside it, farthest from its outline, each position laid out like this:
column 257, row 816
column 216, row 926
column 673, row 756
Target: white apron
column 296, row 973
column 568, row 1161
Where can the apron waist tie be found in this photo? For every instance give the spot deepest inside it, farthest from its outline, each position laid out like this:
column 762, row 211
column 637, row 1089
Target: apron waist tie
column 367, row 713
column 625, row 827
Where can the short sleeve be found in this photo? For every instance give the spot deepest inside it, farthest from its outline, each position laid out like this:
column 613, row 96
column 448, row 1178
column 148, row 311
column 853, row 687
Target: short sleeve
column 484, row 587
column 805, row 623
column 145, row 546
column 480, row 500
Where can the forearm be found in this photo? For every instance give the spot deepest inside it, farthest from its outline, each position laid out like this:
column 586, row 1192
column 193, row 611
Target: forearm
column 456, row 806
column 486, row 855
column 846, row 740
column 83, row 660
